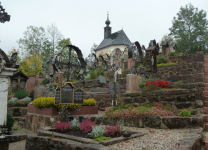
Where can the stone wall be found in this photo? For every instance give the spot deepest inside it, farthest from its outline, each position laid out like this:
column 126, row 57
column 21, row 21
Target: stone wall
column 190, row 98
column 47, row 143
column 88, row 84
column 33, row 82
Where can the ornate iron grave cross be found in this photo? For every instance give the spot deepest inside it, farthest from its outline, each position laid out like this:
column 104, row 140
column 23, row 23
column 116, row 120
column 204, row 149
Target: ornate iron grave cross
column 135, row 52
column 3, row 15
column 68, row 62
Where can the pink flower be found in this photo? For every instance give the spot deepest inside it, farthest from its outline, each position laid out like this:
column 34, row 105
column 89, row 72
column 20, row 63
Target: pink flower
column 22, row 100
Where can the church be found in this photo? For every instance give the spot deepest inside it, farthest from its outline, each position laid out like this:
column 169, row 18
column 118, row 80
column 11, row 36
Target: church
column 112, row 40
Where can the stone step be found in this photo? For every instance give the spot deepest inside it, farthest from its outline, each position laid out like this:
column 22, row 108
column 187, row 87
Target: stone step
column 206, row 98
column 206, row 110
column 206, row 142
column 206, row 103
column 206, row 84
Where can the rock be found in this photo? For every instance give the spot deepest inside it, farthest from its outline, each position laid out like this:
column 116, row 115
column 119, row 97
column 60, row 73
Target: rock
column 152, row 121
column 181, row 105
column 199, row 104
column 173, row 122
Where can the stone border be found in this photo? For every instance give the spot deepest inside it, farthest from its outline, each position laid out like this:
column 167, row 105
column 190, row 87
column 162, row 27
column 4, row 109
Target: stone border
column 53, row 111
column 158, row 122
column 47, row 131
column 16, row 137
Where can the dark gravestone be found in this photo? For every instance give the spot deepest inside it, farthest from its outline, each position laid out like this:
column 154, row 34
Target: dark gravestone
column 57, row 95
column 78, row 96
column 67, row 94
column 102, row 80
column 50, row 93
column 39, row 91
column 117, row 88
column 111, row 87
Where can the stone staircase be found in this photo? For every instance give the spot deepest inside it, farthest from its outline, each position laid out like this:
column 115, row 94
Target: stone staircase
column 206, row 98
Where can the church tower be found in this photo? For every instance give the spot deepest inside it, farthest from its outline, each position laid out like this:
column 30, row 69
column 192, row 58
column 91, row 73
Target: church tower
column 107, row 29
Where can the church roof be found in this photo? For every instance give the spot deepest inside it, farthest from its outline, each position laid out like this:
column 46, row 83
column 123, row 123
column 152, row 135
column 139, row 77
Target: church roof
column 117, row 38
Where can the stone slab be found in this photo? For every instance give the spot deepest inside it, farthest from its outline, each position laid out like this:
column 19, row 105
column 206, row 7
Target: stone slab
column 132, row 82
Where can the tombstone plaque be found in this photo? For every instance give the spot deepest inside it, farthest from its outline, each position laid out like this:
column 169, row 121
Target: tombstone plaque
column 50, row 93
column 102, row 79
column 57, row 95
column 39, row 91
column 117, row 88
column 78, row 96
column 67, row 93
column 111, row 88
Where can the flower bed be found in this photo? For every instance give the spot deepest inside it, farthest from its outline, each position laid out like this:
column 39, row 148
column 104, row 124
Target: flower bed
column 88, row 132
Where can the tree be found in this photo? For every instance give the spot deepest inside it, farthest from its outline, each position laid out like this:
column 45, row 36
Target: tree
column 32, row 41
column 31, row 65
column 190, row 29
column 94, row 46
column 53, row 36
column 169, row 38
column 46, row 51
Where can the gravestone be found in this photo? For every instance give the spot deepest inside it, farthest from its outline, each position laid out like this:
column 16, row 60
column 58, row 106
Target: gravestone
column 39, row 91
column 117, row 88
column 57, row 95
column 78, row 96
column 111, row 88
column 67, row 93
column 102, row 79
column 50, row 93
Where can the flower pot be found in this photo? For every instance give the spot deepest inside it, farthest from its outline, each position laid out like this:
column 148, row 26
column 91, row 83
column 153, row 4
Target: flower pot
column 127, row 134
column 81, row 118
column 71, row 118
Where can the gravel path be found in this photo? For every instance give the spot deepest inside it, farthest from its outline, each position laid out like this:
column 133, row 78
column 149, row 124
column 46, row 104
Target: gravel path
column 156, row 139
column 20, row 145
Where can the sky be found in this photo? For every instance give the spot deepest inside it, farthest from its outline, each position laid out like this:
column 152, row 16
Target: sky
column 83, row 21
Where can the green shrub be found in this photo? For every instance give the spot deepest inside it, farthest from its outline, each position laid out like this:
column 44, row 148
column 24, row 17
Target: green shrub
column 47, row 80
column 43, row 102
column 167, row 64
column 54, row 85
column 10, row 121
column 28, row 99
column 162, row 59
column 172, row 53
column 21, row 94
column 75, row 124
column 97, row 131
column 13, row 99
column 185, row 113
column 93, row 74
column 142, row 82
column 89, row 102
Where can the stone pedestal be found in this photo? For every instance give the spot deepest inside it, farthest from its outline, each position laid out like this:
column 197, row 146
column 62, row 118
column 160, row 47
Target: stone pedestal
column 4, row 75
column 132, row 82
column 130, row 63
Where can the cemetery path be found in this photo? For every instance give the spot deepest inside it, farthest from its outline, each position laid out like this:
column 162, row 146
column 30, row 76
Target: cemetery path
column 20, row 145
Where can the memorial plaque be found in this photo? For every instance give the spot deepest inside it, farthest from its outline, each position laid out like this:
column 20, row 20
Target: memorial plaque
column 67, row 93
column 117, row 88
column 111, row 87
column 57, row 95
column 39, row 91
column 102, row 79
column 78, row 96
column 50, row 93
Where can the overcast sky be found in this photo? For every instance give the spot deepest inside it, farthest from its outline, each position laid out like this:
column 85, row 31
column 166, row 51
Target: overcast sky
column 83, row 20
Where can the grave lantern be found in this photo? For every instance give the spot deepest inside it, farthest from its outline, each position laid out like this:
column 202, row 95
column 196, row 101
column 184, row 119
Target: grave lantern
column 142, row 70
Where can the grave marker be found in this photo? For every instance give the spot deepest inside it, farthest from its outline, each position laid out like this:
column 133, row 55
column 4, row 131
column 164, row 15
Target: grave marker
column 78, row 96
column 39, row 91
column 67, row 93
column 57, row 95
column 50, row 93
column 111, row 87
column 102, row 79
